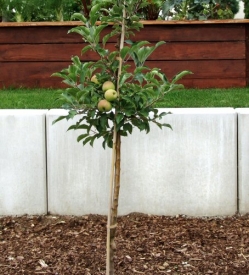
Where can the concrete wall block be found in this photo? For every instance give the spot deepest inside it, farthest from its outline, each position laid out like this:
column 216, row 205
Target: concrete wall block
column 191, row 170
column 22, row 162
column 78, row 176
column 243, row 159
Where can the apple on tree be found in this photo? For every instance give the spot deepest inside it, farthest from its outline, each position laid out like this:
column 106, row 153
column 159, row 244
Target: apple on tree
column 108, row 85
column 111, row 95
column 104, row 105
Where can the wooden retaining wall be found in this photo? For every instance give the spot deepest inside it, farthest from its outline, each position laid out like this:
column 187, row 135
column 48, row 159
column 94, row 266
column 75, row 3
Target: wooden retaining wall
column 217, row 52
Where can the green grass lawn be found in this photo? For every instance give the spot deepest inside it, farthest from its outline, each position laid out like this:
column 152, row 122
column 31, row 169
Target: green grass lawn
column 29, row 98
column 186, row 98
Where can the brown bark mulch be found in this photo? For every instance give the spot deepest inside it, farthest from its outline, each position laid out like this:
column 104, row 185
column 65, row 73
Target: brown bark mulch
column 146, row 244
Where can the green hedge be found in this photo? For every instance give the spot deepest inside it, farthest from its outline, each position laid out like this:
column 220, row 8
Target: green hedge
column 246, row 9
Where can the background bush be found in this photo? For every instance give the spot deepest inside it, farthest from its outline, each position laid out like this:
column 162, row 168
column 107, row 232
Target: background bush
column 62, row 10
column 37, row 10
column 246, row 9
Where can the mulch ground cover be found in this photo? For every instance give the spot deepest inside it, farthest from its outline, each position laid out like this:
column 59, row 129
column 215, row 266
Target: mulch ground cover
column 146, row 244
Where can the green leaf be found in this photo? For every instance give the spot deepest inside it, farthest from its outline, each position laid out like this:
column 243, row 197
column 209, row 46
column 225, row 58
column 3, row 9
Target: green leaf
column 79, row 16
column 86, row 48
column 129, row 111
column 144, row 112
column 138, row 123
column 72, row 114
column 107, row 140
column 139, row 77
column 76, row 61
column 93, row 139
column 137, row 45
column 124, row 51
column 80, row 137
column 123, row 133
column 180, row 75
column 94, row 14
column 83, row 126
column 91, row 113
column 119, row 117
column 72, row 127
column 163, row 114
column 58, row 119
column 108, row 36
column 81, row 30
column 175, row 87
column 88, row 139
column 67, row 97
column 128, row 41
column 100, row 28
column 104, row 121
column 102, row 52
column 167, row 125
column 143, row 53
column 124, row 77
column 128, row 127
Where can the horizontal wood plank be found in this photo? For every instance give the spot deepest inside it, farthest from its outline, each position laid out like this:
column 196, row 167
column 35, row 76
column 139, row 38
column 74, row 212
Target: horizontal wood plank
column 208, row 69
column 168, row 51
column 214, row 83
column 38, row 74
column 38, row 35
column 59, row 34
column 216, row 53
column 145, row 22
column 193, row 33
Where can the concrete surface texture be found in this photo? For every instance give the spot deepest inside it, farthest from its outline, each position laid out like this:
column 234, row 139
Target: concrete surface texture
column 191, row 170
column 243, row 159
column 78, row 177
column 22, row 162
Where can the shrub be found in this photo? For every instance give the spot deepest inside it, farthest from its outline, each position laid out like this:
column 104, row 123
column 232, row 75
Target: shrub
column 246, row 9
column 36, row 10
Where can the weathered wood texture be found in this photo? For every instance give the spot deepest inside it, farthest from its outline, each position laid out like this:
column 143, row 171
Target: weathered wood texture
column 247, row 54
column 216, row 52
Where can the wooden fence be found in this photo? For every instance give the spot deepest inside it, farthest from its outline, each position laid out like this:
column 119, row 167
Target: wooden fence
column 217, row 52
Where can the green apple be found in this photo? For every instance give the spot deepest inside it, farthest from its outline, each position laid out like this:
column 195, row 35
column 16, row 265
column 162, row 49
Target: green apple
column 111, row 95
column 108, row 85
column 95, row 79
column 104, row 105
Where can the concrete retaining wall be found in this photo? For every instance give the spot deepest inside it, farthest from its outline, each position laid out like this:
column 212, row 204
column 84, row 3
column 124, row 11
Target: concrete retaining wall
column 22, row 162
column 191, row 170
column 243, row 160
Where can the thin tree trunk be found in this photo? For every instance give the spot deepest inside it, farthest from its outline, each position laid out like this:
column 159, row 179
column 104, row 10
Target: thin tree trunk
column 114, row 214
column 115, row 176
column 111, row 190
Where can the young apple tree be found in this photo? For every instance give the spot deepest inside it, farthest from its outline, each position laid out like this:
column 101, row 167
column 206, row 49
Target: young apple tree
column 112, row 96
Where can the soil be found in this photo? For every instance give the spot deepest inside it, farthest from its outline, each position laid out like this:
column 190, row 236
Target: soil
column 146, row 244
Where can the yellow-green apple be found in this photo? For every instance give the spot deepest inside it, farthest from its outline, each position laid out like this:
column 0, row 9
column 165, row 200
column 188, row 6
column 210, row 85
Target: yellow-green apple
column 111, row 95
column 95, row 79
column 104, row 105
column 108, row 85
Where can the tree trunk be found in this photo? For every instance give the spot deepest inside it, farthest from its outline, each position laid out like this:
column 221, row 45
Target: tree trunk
column 115, row 178
column 114, row 214
column 112, row 225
